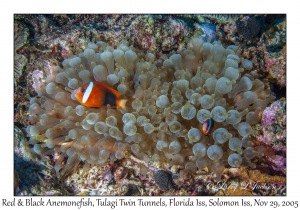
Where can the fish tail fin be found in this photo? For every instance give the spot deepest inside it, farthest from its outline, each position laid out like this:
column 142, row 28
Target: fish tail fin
column 121, row 103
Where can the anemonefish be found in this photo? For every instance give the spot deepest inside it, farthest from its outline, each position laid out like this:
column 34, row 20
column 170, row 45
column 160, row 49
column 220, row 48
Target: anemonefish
column 208, row 126
column 99, row 95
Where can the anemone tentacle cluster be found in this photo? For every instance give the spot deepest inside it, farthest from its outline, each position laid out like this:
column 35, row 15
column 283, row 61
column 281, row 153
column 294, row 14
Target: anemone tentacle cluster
column 169, row 100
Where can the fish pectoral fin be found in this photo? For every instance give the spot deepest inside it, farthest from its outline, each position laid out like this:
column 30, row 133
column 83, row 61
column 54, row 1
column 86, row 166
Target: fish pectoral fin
column 121, row 103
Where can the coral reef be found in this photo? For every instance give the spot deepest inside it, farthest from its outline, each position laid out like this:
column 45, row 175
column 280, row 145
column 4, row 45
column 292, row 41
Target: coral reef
column 255, row 176
column 54, row 38
column 20, row 38
column 249, row 27
column 33, row 175
column 221, row 19
column 118, row 178
column 275, row 33
column 19, row 63
column 168, row 102
column 164, row 180
column 21, row 34
column 276, row 66
column 158, row 33
column 154, row 33
column 274, row 135
column 251, row 183
column 234, row 191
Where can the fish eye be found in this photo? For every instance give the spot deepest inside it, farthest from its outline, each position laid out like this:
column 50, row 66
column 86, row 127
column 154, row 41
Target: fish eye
column 82, row 90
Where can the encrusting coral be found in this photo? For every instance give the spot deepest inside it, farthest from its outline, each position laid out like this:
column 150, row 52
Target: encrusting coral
column 169, row 100
column 21, row 34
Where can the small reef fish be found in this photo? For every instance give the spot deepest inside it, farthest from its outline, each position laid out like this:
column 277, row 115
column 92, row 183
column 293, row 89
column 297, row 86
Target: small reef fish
column 208, row 126
column 99, row 95
column 209, row 32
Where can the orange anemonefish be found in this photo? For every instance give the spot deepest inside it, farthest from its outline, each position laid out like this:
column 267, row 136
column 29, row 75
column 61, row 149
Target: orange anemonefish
column 208, row 126
column 99, row 95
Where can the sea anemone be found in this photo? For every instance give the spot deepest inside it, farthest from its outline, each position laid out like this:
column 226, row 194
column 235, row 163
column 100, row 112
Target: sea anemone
column 169, row 100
